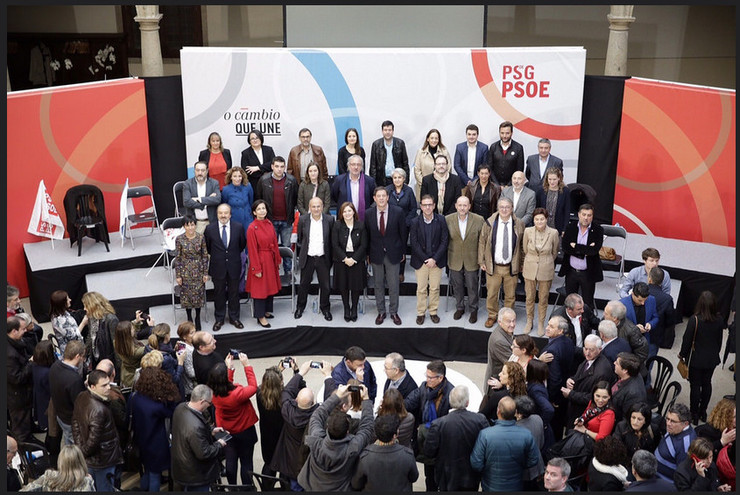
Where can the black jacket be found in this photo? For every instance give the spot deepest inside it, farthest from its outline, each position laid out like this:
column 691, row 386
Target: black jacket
column 407, row 386
column 687, row 479
column 588, row 251
column 94, row 431
column 226, row 262
column 707, row 345
column 504, row 166
column 631, row 391
column 377, row 159
column 585, row 379
column 264, row 191
column 195, row 452
column 453, row 190
column 666, row 313
column 65, row 384
column 304, row 233
column 20, row 375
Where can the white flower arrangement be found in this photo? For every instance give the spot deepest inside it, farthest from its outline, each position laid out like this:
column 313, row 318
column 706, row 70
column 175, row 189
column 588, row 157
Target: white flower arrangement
column 105, row 59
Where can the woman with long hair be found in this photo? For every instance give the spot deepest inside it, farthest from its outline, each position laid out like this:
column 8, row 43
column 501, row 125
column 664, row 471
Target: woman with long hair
column 101, row 324
column 217, row 157
column 702, row 341
column 597, row 421
column 636, row 430
column 537, row 373
column 424, row 160
column 313, row 185
column 62, row 322
column 555, row 198
column 191, row 269
column 523, row 350
column 129, row 351
column 256, row 158
column 271, row 418
column 351, row 147
column 235, row 414
column 510, row 383
column 71, row 474
column 482, row 193
column 185, row 332
column 540, row 244
column 43, row 358
column 349, row 242
column 152, row 403
column 393, row 404
column 263, row 276
column 720, row 426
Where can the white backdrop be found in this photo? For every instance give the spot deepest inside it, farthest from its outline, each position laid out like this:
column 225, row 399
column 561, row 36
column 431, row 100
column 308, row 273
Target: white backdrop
column 280, row 91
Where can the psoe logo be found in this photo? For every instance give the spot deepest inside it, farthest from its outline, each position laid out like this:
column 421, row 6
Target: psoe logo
column 519, row 81
column 263, row 120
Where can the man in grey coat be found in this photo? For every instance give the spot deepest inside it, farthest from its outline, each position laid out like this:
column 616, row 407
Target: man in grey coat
column 201, row 196
column 523, row 198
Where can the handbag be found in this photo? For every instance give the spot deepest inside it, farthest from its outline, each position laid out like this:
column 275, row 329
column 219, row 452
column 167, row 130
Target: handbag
column 577, row 446
column 607, row 253
column 683, row 365
column 131, row 453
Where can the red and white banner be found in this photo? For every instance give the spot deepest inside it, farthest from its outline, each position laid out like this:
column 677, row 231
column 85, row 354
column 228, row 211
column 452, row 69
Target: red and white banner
column 45, row 221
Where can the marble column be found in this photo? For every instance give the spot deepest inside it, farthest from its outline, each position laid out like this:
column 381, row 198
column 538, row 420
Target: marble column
column 148, row 17
column 620, row 18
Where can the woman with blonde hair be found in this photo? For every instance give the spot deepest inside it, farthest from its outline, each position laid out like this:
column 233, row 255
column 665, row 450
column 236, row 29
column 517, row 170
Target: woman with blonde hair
column 101, row 324
column 71, row 474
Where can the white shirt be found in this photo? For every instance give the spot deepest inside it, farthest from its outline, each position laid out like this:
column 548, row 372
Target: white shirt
column 354, row 189
column 463, row 225
column 316, row 237
column 498, row 253
column 471, row 159
column 577, row 328
column 259, row 155
column 201, row 214
column 517, row 195
column 228, row 231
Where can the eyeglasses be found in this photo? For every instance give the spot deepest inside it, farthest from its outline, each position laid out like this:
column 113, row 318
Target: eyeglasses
column 669, row 420
column 388, row 368
column 433, row 377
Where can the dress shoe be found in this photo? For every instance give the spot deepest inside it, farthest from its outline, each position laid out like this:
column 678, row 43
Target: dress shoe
column 473, row 317
column 353, row 315
column 327, row 315
column 490, row 322
column 269, row 316
column 420, row 320
column 396, row 319
column 528, row 326
column 266, row 325
column 298, row 313
column 347, row 313
column 380, row 318
column 458, row 314
column 401, row 278
column 434, row 318
column 238, row 324
column 703, row 417
column 217, row 326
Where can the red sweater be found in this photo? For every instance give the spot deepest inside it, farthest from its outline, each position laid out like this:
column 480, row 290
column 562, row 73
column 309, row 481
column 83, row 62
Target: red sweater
column 235, row 413
column 603, row 424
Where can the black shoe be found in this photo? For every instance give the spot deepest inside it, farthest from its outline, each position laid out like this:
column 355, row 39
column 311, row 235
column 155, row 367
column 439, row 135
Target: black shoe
column 217, row 326
column 298, row 313
column 269, row 316
column 458, row 314
column 327, row 315
column 266, row 325
column 695, row 419
column 347, row 314
column 197, row 324
column 238, row 324
column 703, row 417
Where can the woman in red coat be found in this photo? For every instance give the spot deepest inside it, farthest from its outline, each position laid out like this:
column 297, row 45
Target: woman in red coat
column 597, row 421
column 235, row 414
column 263, row 278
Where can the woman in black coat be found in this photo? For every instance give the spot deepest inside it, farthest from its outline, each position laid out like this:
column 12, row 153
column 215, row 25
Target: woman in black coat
column 271, row 419
column 257, row 158
column 349, row 241
column 698, row 472
column 704, row 335
column 636, row 430
column 606, row 472
column 554, row 196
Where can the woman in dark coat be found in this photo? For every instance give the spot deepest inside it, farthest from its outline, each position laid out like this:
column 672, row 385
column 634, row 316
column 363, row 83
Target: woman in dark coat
column 263, row 277
column 510, row 383
column 401, row 195
column 101, row 324
column 555, row 198
column 698, row 471
column 271, row 419
column 43, row 358
column 636, row 430
column 217, row 157
column 153, row 401
column 257, row 158
column 703, row 334
column 349, row 245
column 537, row 373
column 606, row 472
column 351, row 147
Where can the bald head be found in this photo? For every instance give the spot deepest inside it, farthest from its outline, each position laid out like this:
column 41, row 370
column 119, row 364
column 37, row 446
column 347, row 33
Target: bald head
column 518, row 179
column 107, row 366
column 506, row 408
column 305, row 398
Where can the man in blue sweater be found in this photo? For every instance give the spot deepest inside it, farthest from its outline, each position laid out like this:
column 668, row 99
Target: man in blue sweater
column 674, row 445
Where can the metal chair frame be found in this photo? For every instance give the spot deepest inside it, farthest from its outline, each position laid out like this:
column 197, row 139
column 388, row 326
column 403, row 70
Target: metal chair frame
column 177, row 188
column 143, row 217
column 616, row 231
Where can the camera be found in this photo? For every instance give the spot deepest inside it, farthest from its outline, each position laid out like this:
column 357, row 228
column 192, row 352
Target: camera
column 286, row 362
column 353, row 388
column 234, row 353
column 180, row 346
column 144, row 316
column 316, row 364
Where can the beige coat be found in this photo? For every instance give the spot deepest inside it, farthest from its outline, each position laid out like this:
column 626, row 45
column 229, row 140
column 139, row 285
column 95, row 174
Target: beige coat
column 424, row 165
column 487, row 233
column 539, row 262
column 463, row 253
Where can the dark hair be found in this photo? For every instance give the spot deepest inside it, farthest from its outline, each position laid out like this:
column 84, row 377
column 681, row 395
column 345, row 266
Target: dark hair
column 706, row 306
column 701, row 448
column 525, row 405
column 657, row 275
column 601, row 385
column 629, row 363
column 340, row 211
column 258, row 134
column 271, row 389
column 260, row 202
column 641, row 289
column 355, row 399
column 157, row 384
column 188, row 218
column 472, row 127
column 346, row 133
column 43, row 353
column 425, row 196
column 94, row 377
column 610, row 451
column 586, row 206
column 386, row 427
column 378, row 189
column 486, row 166
column 642, row 408
column 517, row 384
column 58, row 303
column 526, row 343
column 437, row 366
column 393, row 404
column 506, row 123
column 556, row 172
column 337, row 425
column 277, row 159
column 183, row 329
column 14, row 323
column 387, row 123
column 218, row 380
column 537, row 371
column 426, row 139
column 650, row 253
column 354, row 353
column 540, row 211
column 681, row 410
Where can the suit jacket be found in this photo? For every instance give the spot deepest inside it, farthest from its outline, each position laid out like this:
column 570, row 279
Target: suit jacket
column 341, row 376
column 463, row 253
column 585, row 379
column 589, row 251
column 226, row 262
column 636, row 340
column 562, row 208
column 487, row 240
column 190, row 190
column 407, row 386
column 539, row 262
column 504, row 166
column 393, row 243
column 304, row 234
column 294, row 162
column 615, row 347
column 450, row 442
column 340, row 191
column 525, row 206
column 651, row 313
column 249, row 159
column 452, row 192
column 533, row 172
column 589, row 322
column 339, row 241
column 562, row 349
column 461, row 160
column 666, row 313
column 632, row 390
column 378, row 156
column 439, row 241
column 499, row 351
column 205, row 156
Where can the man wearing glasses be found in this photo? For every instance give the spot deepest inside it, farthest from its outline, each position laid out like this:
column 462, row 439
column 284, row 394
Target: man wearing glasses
column 303, row 154
column 427, row 403
column 674, row 446
column 398, row 377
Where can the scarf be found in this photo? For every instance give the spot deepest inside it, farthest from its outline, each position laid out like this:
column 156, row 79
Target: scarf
column 432, row 396
column 441, row 181
column 618, row 471
column 592, row 411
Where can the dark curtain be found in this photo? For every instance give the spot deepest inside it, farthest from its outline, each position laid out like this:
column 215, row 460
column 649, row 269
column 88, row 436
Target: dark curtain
column 601, row 118
column 166, row 122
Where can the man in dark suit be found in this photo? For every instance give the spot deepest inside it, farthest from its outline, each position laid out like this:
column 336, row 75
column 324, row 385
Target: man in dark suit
column 616, row 312
column 663, row 306
column 629, row 388
column 200, row 197
column 397, row 376
column 537, row 164
column 225, row 241
column 611, row 343
column 450, row 442
column 314, row 254
column 558, row 354
column 343, row 185
column 382, row 163
column 470, row 155
column 593, row 369
column 505, row 156
column 644, row 469
column 386, row 227
column 581, row 263
column 581, row 322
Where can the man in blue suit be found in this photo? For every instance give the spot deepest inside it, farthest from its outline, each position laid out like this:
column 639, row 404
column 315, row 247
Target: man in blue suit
column 386, row 226
column 663, row 306
column 537, row 164
column 469, row 156
column 355, row 365
column 354, row 186
column 612, row 344
column 641, row 310
column 225, row 240
column 558, row 354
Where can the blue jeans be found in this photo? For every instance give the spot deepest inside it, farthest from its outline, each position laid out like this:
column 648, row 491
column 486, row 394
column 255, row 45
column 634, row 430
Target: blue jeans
column 283, row 230
column 66, row 432
column 151, row 481
column 102, row 483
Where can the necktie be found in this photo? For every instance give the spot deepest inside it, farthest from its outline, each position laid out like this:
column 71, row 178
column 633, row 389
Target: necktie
column 588, row 365
column 382, row 223
column 224, row 239
column 505, row 250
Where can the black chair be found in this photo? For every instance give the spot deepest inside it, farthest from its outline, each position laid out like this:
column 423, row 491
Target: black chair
column 668, row 398
column 577, row 483
column 177, row 188
column 268, row 483
column 663, row 369
column 35, row 459
column 85, row 210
